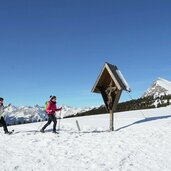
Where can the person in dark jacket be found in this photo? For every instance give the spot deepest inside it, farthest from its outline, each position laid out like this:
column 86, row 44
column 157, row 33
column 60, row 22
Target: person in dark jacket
column 50, row 110
column 2, row 120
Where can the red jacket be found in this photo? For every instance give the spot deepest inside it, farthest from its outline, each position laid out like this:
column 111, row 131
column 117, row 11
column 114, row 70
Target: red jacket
column 51, row 108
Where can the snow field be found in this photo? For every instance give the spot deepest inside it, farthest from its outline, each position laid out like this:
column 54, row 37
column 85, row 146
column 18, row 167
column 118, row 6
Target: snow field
column 136, row 144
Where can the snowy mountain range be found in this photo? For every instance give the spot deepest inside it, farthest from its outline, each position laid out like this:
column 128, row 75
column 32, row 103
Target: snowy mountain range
column 25, row 114
column 158, row 88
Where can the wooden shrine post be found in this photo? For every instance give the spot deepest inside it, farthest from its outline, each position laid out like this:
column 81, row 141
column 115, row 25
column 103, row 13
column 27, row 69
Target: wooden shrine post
column 110, row 84
column 111, row 121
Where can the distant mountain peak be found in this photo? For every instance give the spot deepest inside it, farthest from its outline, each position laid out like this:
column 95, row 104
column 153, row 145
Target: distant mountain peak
column 158, row 88
column 162, row 80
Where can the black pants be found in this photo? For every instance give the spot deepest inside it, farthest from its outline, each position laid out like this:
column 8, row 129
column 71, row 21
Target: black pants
column 3, row 123
column 50, row 119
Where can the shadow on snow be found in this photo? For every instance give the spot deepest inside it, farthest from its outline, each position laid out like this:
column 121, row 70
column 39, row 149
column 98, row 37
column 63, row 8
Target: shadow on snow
column 145, row 120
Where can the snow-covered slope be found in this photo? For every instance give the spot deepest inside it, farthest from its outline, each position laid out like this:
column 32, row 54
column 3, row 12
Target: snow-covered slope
column 23, row 114
column 137, row 144
column 158, row 88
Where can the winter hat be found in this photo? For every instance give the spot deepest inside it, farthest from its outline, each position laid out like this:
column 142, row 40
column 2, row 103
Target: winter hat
column 1, row 99
column 53, row 97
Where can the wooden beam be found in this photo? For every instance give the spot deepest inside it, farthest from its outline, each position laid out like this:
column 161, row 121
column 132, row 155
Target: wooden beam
column 111, row 127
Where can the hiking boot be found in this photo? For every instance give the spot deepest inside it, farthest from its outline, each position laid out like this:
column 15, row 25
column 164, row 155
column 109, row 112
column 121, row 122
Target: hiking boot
column 42, row 131
column 55, row 132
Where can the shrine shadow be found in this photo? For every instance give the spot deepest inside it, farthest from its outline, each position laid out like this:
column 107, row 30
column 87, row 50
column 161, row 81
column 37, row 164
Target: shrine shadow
column 144, row 120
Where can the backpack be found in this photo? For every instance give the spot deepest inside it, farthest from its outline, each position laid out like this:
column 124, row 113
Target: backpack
column 46, row 103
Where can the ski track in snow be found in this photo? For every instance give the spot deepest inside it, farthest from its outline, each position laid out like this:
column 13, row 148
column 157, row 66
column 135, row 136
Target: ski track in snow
column 135, row 145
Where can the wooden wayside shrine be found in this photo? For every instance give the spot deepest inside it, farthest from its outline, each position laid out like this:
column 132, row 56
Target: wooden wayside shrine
column 110, row 84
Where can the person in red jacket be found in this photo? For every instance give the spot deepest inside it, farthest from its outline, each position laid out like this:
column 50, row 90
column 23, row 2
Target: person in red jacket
column 50, row 110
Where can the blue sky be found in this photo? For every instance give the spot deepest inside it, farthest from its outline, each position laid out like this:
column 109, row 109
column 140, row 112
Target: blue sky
column 59, row 47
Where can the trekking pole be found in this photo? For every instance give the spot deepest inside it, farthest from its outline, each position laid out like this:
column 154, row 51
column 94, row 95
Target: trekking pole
column 40, row 125
column 139, row 111
column 59, row 121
